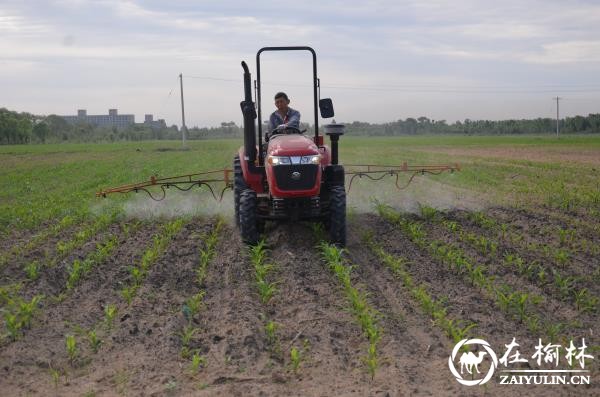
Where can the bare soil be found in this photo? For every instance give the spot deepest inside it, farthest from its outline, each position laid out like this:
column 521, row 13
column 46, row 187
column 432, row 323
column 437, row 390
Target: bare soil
column 545, row 154
column 141, row 353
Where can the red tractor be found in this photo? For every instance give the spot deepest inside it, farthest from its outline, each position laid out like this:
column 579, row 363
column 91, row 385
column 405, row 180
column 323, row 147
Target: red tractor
column 292, row 176
column 289, row 176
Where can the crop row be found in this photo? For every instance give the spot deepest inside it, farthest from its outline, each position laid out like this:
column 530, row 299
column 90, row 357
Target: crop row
column 19, row 249
column 513, row 302
column 19, row 312
column 80, row 268
column 160, row 241
column 397, row 265
column 561, row 253
column 365, row 315
column 81, row 340
column 564, row 285
column 194, row 303
column 64, row 248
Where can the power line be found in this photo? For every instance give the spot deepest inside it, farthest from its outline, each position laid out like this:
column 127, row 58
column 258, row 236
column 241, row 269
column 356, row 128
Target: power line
column 540, row 89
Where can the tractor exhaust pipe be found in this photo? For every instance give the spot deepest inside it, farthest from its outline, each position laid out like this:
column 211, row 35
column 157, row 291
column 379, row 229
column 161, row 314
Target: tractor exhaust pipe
column 249, row 112
column 334, row 131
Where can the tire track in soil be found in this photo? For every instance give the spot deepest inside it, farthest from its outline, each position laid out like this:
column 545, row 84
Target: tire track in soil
column 310, row 305
column 230, row 325
column 25, row 368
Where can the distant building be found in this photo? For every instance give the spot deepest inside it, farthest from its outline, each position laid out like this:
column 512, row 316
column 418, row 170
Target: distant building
column 154, row 124
column 112, row 119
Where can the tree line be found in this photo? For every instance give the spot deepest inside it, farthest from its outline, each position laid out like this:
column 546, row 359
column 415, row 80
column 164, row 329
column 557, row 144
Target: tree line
column 23, row 128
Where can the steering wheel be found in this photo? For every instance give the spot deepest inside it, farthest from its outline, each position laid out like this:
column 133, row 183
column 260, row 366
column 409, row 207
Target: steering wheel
column 292, row 130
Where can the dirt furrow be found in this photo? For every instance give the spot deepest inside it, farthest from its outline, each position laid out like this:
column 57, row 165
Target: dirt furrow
column 550, row 308
column 13, row 269
column 462, row 301
column 414, row 358
column 29, row 360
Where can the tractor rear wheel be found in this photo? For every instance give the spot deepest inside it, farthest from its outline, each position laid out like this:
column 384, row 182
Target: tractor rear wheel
column 247, row 217
column 238, row 186
column 337, row 216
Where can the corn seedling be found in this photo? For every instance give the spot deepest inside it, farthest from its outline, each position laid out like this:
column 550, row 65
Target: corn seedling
column 565, row 285
column 128, row 293
column 55, row 375
column 197, row 362
column 433, row 308
column 71, row 345
column 584, row 301
column 266, row 290
column 194, row 304
column 452, row 226
column 520, row 304
column 110, row 312
column 428, row 213
column 74, row 274
column 364, row 314
column 32, row 270
column 160, row 242
column 209, row 251
column 13, row 325
column 93, row 340
column 561, row 256
column 456, row 260
column 26, row 310
column 295, row 358
column 258, row 256
column 271, row 332
column 81, row 268
column 552, row 330
column 566, row 236
column 187, row 334
column 63, row 248
column 480, row 219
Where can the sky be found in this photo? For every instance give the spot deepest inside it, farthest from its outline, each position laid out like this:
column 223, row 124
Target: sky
column 379, row 61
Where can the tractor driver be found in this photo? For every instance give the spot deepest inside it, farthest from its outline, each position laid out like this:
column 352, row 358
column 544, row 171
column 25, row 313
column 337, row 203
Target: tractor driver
column 284, row 116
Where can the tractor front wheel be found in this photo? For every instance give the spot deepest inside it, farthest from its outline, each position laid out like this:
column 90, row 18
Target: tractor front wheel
column 337, row 216
column 247, row 217
column 238, row 186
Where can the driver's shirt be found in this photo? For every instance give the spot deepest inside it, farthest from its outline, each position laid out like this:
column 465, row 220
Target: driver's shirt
column 292, row 118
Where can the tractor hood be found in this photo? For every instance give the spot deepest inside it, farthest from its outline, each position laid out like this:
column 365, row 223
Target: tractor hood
column 291, row 145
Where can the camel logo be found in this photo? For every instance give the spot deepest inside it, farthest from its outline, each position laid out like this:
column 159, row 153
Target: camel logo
column 469, row 362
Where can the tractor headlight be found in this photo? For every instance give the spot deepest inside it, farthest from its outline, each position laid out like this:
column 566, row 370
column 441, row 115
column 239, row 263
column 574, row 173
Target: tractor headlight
column 314, row 159
column 279, row 160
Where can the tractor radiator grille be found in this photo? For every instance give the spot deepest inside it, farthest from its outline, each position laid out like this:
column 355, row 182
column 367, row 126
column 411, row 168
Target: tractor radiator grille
column 296, row 176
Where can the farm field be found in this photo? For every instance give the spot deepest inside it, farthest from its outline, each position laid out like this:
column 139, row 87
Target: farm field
column 127, row 296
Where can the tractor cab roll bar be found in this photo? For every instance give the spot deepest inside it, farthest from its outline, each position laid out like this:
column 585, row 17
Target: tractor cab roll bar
column 325, row 105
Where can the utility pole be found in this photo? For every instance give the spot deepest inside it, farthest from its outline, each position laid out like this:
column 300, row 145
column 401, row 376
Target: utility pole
column 557, row 119
column 183, row 127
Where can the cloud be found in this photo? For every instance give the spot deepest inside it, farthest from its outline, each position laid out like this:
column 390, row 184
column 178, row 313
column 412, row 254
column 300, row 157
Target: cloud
column 122, row 49
column 568, row 52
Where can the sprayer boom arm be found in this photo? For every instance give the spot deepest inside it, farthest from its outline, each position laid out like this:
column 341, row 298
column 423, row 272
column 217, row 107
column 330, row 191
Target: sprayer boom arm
column 377, row 172
column 181, row 182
